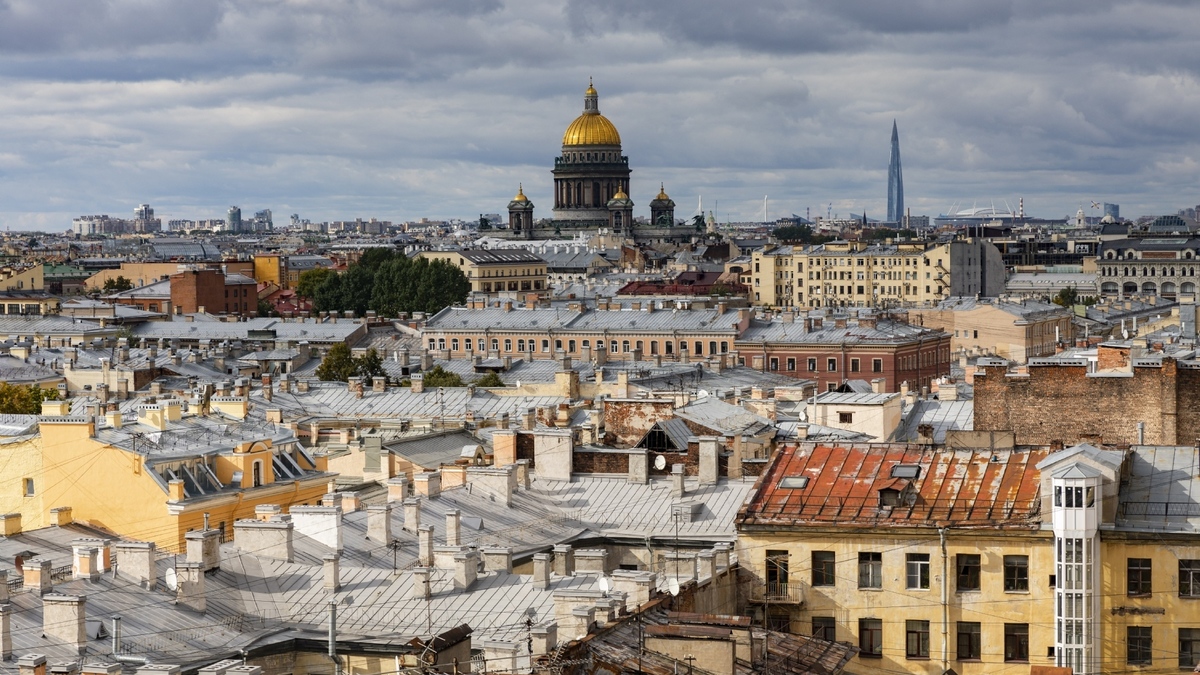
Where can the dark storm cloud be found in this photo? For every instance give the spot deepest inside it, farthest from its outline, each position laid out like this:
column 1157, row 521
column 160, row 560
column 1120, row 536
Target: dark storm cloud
column 405, row 108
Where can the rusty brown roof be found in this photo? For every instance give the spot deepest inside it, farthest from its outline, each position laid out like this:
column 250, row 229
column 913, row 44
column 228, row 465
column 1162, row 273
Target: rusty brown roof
column 955, row 488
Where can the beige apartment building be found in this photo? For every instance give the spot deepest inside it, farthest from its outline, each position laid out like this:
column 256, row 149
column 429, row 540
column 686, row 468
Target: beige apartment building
column 1015, row 330
column 862, row 274
column 511, row 272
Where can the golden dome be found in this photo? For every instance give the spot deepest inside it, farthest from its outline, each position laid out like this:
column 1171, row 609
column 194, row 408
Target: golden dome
column 662, row 193
column 620, row 195
column 520, row 194
column 591, row 128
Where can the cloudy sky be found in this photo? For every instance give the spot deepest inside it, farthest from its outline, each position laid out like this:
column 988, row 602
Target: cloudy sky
column 399, row 109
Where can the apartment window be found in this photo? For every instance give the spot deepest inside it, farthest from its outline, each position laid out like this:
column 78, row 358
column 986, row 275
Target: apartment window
column 870, row 570
column 967, row 572
column 545, row 345
column 521, row 345
column 625, row 346
column 454, row 344
column 558, row 345
column 256, row 472
column 1016, row 573
column 571, row 346
column 29, row 492
column 1137, row 645
column 825, row 628
column 1138, row 572
column 831, row 365
column 1189, row 647
column 508, row 345
column 791, row 364
column 870, row 638
column 482, row 348
column 724, row 347
column 812, row 365
column 916, row 639
column 777, row 567
column 854, row 365
column 1189, row 578
column 495, row 344
column 823, row 568
column 1016, row 642
column 969, row 641
column 845, row 418
column 975, row 334
column 876, row 365
column 916, row 570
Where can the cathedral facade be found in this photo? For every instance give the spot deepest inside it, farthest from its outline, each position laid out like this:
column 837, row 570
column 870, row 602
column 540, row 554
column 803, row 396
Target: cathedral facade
column 591, row 187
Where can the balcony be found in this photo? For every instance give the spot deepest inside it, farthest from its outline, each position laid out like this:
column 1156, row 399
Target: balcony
column 777, row 593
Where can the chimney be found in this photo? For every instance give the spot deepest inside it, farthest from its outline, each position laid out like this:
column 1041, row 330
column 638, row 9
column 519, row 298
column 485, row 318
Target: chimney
column 330, row 567
column 501, row 656
column 418, row 383
column 379, row 523
column 583, row 619
column 103, row 668
column 425, row 546
column 591, row 560
column 426, row 361
column 84, row 562
column 545, row 638
column 428, row 484
column 266, row 512
column 350, row 501
column 31, row 664
column 707, row 565
column 529, row 419
column 402, row 357
column 189, row 592
column 378, row 384
column 453, row 536
column 497, row 559
column 37, row 576
column 266, row 539
column 320, row 523
column 102, row 393
column 397, row 489
column 677, row 487
column 123, row 389
column 6, row 630
column 541, row 570
column 721, row 554
column 523, row 474
column 412, row 515
column 204, row 548
column 64, row 620
column 420, row 587
column 564, row 560
column 710, row 455
column 466, row 568
column 137, row 563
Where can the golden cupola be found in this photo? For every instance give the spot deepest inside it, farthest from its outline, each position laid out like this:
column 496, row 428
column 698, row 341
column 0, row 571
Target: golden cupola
column 591, row 128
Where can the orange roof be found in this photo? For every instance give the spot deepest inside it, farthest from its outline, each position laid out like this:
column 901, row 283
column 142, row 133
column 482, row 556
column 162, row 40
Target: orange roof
column 954, row 488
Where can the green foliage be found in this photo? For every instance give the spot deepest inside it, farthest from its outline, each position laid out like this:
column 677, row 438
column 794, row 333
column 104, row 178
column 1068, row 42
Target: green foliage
column 117, row 285
column 442, row 378
column 1067, row 297
column 18, row 400
column 492, row 379
column 339, row 366
column 311, row 280
column 389, row 283
column 799, row 234
column 265, row 308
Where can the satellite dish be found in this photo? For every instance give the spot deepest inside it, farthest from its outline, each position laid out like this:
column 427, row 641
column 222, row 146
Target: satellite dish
column 170, row 579
column 605, row 584
column 673, row 586
column 660, row 462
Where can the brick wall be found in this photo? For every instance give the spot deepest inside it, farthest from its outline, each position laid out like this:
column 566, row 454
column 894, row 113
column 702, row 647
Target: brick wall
column 1065, row 404
column 627, row 421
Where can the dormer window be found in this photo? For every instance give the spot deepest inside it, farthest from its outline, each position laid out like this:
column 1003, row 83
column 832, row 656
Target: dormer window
column 1074, row 497
column 889, row 497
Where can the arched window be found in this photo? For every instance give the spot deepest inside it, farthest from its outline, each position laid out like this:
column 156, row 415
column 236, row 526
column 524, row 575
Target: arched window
column 256, row 473
column 625, row 345
column 520, row 345
column 495, row 344
column 508, row 345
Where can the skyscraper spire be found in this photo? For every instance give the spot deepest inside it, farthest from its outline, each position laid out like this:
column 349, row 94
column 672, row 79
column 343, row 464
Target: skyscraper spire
column 895, row 210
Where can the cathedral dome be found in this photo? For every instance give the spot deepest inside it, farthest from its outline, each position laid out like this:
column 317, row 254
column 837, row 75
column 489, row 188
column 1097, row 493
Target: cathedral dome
column 591, row 128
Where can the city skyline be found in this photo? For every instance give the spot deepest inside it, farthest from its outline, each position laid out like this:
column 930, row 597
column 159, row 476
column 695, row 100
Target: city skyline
column 440, row 110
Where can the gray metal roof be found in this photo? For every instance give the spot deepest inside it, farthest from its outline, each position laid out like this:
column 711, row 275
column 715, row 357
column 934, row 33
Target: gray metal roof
column 432, row 450
column 723, row 417
column 943, row 416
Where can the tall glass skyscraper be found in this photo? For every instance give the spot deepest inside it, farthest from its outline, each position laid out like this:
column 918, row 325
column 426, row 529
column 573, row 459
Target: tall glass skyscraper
column 895, row 211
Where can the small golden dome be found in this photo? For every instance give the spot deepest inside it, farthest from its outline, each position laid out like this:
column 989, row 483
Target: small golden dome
column 662, row 193
column 591, row 128
column 520, row 194
column 620, row 195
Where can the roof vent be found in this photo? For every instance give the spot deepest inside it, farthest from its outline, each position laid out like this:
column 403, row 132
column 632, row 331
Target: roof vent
column 910, row 471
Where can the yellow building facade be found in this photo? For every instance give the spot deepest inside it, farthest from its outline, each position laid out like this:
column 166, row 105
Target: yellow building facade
column 509, row 272
column 117, row 476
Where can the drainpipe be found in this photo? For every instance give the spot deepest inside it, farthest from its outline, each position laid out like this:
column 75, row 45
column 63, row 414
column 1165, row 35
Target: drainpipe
column 945, row 603
column 1141, row 433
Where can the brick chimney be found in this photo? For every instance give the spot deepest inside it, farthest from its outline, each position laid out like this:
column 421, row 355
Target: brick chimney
column 31, row 664
column 204, row 548
column 37, row 576
column 379, row 523
column 466, row 567
column 497, row 559
column 397, row 489
column 420, row 587
column 425, row 546
column 64, row 620
column 84, row 562
column 137, row 563
column 266, row 539
column 189, row 591
column 428, row 484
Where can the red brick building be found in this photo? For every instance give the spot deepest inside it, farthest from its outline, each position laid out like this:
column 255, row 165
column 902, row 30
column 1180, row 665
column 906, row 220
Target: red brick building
column 214, row 292
column 832, row 350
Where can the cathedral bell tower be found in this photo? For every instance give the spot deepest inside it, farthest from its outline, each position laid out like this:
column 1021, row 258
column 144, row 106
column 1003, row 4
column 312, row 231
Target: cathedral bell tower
column 620, row 213
column 520, row 214
column 662, row 210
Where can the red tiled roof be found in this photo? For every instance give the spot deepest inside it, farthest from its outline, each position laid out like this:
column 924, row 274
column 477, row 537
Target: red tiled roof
column 956, row 488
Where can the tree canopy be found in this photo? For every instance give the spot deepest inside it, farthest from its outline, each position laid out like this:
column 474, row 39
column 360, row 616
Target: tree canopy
column 339, row 366
column 16, row 399
column 388, row 282
column 439, row 377
column 492, row 379
column 311, row 280
column 120, row 283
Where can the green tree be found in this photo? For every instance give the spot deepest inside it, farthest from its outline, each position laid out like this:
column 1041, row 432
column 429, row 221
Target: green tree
column 438, row 377
column 265, row 308
column 311, row 280
column 492, row 379
column 338, row 364
column 16, row 399
column 1067, row 297
column 120, row 283
column 369, row 365
column 389, row 283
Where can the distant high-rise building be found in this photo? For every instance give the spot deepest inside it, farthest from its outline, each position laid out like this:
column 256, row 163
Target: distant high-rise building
column 895, row 210
column 1113, row 210
column 233, row 222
